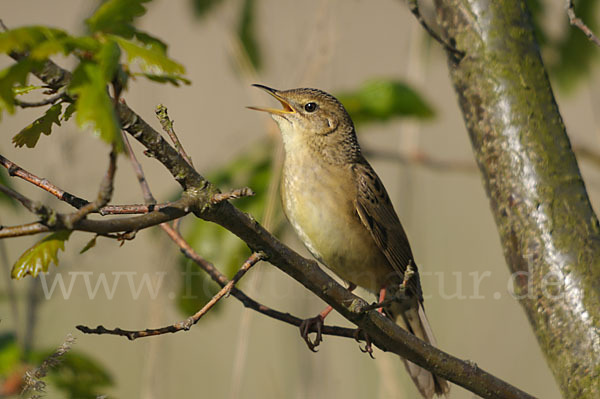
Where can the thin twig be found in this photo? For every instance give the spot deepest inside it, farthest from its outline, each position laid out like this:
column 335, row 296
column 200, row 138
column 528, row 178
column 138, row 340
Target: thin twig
column 16, row 170
column 183, row 325
column 167, row 125
column 577, row 22
column 413, row 5
column 41, row 103
column 233, row 194
column 32, row 380
column 133, row 209
column 30, row 205
column 139, row 173
column 426, row 161
column 104, row 194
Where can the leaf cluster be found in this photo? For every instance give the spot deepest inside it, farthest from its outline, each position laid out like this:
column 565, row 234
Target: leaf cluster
column 113, row 51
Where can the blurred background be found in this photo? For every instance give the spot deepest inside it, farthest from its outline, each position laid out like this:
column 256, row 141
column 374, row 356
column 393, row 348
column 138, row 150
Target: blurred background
column 393, row 78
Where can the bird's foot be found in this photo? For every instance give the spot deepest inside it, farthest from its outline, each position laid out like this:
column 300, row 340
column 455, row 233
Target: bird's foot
column 313, row 324
column 368, row 344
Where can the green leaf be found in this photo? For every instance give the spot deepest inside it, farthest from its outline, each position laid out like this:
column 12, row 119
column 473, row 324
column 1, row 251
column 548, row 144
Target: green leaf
column 68, row 112
column 28, row 37
column 203, row 7
column 91, row 244
column 30, row 135
column 116, row 17
column 379, row 100
column 38, row 258
column 15, row 74
column 172, row 79
column 94, row 108
column 247, row 34
column 108, row 59
column 65, row 45
column 225, row 250
column 150, row 57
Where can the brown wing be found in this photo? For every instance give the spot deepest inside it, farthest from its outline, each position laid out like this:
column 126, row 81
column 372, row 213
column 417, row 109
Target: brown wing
column 377, row 213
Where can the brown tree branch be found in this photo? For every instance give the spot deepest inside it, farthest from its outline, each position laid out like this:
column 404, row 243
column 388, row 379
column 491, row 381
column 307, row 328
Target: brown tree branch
column 16, row 170
column 546, row 223
column 41, row 103
column 183, row 325
column 413, row 6
column 173, row 211
column 104, row 194
column 167, row 125
column 577, row 22
column 233, row 194
column 383, row 332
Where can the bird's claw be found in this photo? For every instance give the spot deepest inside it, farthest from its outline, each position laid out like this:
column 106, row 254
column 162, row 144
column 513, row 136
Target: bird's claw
column 368, row 344
column 313, row 324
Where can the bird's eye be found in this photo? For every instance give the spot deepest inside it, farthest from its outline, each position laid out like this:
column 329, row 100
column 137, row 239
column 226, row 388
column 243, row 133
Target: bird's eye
column 310, row 107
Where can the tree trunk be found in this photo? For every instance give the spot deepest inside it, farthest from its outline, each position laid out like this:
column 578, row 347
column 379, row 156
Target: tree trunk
column 549, row 232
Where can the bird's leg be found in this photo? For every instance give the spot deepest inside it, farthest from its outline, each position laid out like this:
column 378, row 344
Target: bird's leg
column 368, row 344
column 382, row 292
column 316, row 323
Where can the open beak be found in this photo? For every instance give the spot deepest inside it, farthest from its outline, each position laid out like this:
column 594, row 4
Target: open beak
column 287, row 108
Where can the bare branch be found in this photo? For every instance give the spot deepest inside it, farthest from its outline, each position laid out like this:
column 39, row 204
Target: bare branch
column 175, row 210
column 577, row 22
column 167, row 125
column 104, row 194
column 413, row 5
column 137, row 168
column 233, row 194
column 423, row 160
column 41, row 103
column 183, row 325
column 16, row 170
column 31, row 205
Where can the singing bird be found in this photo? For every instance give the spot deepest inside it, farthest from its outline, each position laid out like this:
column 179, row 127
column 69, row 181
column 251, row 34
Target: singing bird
column 342, row 213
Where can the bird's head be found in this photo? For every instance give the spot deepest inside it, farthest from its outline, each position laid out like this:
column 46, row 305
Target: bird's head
column 307, row 112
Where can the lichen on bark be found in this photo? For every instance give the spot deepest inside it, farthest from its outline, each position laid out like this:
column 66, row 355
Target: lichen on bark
column 548, row 229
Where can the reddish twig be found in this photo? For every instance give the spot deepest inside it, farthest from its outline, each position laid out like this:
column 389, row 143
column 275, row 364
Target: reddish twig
column 248, row 302
column 577, row 22
column 233, row 194
column 16, row 170
column 186, row 324
column 167, row 125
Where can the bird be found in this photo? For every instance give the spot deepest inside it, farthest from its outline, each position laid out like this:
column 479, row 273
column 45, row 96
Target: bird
column 340, row 210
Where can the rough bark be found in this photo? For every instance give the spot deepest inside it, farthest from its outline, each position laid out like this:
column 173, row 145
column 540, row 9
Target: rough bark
column 548, row 229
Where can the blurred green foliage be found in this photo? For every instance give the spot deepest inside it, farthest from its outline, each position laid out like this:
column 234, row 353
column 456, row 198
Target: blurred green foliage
column 568, row 54
column 214, row 243
column 379, row 100
column 77, row 375
column 245, row 29
column 111, row 33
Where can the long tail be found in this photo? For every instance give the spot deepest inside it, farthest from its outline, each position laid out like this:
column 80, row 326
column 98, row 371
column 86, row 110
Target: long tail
column 415, row 321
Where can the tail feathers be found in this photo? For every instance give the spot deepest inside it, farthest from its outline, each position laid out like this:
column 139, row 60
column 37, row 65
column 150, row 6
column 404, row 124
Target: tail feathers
column 415, row 321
